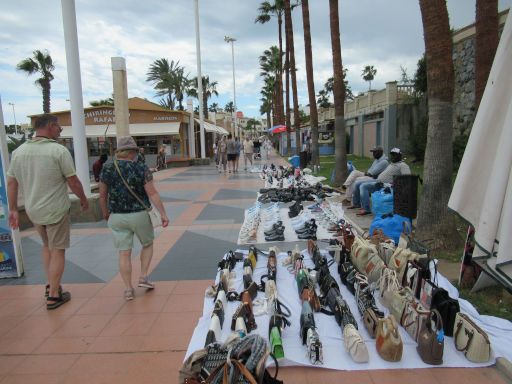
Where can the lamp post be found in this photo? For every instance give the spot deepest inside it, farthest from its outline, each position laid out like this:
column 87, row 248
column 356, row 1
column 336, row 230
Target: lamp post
column 199, row 82
column 232, row 40
column 14, row 113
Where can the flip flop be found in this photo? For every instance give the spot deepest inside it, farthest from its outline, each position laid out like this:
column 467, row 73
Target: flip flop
column 64, row 297
column 363, row 213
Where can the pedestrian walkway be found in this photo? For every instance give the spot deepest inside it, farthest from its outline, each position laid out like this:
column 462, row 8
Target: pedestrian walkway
column 99, row 338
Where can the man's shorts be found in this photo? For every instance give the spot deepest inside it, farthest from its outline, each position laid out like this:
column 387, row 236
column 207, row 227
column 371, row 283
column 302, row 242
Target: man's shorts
column 231, row 156
column 125, row 225
column 55, row 236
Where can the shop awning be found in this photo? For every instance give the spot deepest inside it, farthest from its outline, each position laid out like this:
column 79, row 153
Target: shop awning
column 209, row 127
column 148, row 129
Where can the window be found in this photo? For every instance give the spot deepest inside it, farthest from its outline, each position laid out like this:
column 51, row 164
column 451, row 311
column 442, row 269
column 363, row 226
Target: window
column 378, row 134
column 149, row 143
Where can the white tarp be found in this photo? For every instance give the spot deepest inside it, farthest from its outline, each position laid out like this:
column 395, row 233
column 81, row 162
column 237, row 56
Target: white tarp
column 147, row 129
column 335, row 356
column 482, row 193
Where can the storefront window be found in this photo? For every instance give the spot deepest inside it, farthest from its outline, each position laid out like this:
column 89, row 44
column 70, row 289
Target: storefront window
column 149, row 143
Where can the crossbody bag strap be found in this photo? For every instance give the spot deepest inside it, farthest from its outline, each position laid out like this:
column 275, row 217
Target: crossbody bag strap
column 128, row 186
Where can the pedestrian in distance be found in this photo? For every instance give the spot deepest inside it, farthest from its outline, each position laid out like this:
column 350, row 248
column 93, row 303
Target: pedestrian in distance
column 42, row 169
column 126, row 189
column 248, row 147
column 98, row 165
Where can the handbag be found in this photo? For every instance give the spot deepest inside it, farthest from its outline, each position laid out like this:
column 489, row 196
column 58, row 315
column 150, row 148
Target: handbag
column 431, row 340
column 447, row 307
column 414, row 318
column 154, row 215
column 399, row 259
column 416, row 271
column 427, row 291
column 471, row 339
column 361, row 251
column 388, row 284
column 398, row 300
column 354, row 344
column 386, row 250
column 388, row 341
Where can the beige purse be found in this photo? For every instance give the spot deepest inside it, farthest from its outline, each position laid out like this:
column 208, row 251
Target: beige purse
column 360, row 253
column 388, row 285
column 471, row 339
column 386, row 250
column 414, row 318
column 354, row 344
column 398, row 300
column 399, row 260
column 388, row 341
column 374, row 267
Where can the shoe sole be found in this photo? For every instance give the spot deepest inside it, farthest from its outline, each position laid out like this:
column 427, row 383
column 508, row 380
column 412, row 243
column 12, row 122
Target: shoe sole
column 147, row 286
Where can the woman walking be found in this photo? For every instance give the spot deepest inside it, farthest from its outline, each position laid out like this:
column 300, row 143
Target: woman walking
column 231, row 149
column 126, row 189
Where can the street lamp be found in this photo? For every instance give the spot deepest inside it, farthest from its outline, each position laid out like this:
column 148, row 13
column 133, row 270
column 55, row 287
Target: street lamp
column 232, row 40
column 14, row 113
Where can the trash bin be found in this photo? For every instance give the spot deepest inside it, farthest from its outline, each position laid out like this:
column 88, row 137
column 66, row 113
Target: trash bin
column 294, row 161
column 405, row 195
column 303, row 159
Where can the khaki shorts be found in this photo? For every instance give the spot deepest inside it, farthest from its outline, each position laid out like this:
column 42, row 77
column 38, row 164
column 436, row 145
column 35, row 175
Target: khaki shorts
column 125, row 225
column 55, row 236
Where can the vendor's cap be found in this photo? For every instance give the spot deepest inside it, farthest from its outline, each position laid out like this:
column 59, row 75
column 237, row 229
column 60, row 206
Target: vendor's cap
column 376, row 149
column 126, row 143
column 396, row 150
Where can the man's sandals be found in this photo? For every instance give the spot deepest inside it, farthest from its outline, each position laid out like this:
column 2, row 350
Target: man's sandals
column 56, row 302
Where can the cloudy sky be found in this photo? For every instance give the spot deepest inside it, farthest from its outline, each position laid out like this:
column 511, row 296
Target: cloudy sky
column 386, row 34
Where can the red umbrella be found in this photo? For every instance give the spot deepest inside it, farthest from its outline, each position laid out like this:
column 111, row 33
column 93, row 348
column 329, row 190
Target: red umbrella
column 279, row 129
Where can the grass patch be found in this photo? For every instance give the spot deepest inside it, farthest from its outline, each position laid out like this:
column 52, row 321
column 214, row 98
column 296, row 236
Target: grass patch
column 493, row 301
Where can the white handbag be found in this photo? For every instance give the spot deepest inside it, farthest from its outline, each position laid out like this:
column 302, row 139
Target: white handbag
column 388, row 285
column 470, row 339
column 354, row 344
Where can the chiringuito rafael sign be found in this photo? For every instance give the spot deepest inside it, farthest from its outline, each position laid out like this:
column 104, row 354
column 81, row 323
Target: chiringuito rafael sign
column 101, row 116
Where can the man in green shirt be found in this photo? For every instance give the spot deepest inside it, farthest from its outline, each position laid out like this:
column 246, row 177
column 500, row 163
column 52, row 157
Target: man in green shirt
column 43, row 170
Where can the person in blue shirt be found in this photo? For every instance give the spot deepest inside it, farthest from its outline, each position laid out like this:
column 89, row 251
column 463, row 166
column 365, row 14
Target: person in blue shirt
column 356, row 178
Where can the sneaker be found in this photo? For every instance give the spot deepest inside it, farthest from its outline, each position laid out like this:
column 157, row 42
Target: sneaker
column 129, row 294
column 145, row 283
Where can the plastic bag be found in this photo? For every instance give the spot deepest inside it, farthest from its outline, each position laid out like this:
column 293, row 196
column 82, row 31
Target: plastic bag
column 391, row 225
column 382, row 202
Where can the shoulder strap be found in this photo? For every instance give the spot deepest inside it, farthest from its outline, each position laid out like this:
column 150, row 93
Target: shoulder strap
column 128, row 186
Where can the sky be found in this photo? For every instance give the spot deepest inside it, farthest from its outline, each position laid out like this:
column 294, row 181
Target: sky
column 386, row 34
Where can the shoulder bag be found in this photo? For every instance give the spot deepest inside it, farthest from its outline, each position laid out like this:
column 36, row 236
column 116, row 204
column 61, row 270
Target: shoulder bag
column 388, row 341
column 414, row 318
column 154, row 215
column 471, row 339
column 431, row 340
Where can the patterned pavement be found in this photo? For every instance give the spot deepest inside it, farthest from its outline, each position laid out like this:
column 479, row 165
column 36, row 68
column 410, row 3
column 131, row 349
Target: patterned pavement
column 99, row 338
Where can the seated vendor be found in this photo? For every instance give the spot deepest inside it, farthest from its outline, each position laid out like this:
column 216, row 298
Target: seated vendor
column 361, row 196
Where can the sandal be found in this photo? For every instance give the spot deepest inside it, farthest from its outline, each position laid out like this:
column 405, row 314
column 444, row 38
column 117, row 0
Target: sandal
column 47, row 290
column 129, row 294
column 56, row 302
column 362, row 212
column 145, row 283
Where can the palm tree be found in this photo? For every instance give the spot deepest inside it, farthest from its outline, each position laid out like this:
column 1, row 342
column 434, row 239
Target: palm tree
column 311, row 83
column 323, row 99
column 486, row 43
column 340, row 151
column 167, row 80
column 229, row 107
column 267, row 10
column 433, row 219
column 40, row 62
column 291, row 50
column 368, row 74
column 101, row 102
column 209, row 89
column 270, row 70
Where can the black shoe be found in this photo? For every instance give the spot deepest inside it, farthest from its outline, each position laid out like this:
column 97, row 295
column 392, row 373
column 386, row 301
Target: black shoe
column 275, row 237
column 272, row 232
column 295, row 211
column 275, row 227
column 307, row 236
column 311, row 228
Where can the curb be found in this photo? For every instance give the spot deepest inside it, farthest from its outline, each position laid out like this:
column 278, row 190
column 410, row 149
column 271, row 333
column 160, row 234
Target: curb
column 505, row 367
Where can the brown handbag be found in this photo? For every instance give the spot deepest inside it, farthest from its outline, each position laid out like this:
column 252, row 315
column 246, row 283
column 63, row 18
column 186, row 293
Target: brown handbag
column 414, row 318
column 388, row 341
column 309, row 294
column 430, row 344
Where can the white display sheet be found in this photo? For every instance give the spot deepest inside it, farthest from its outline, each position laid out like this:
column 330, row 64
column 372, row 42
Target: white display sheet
column 335, row 355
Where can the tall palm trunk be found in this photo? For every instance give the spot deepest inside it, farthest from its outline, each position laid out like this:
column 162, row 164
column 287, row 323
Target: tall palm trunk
column 279, row 100
column 46, row 96
column 205, row 104
column 291, row 50
column 311, row 83
column 486, row 43
column 340, row 152
column 288, row 117
column 433, row 219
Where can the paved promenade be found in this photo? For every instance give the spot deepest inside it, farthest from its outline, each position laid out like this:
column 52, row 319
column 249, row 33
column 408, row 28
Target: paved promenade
column 99, row 338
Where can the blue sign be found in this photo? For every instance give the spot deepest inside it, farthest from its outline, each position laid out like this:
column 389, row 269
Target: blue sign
column 9, row 265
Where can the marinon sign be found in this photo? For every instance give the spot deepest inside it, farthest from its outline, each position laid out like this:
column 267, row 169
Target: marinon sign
column 108, row 116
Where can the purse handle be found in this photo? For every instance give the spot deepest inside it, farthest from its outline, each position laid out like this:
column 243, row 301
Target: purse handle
column 130, row 188
column 469, row 334
column 439, row 320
